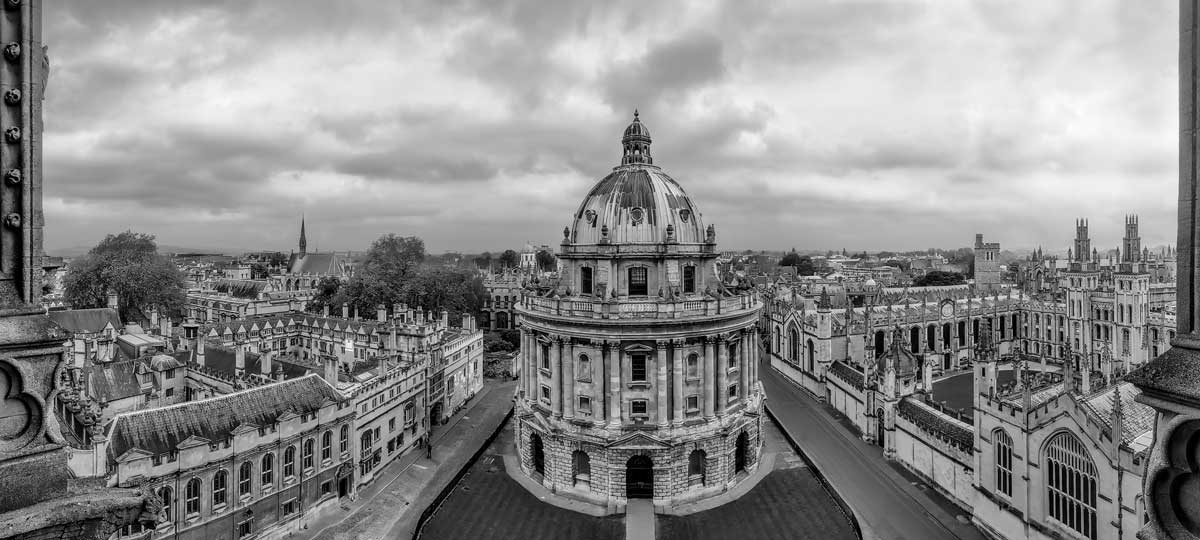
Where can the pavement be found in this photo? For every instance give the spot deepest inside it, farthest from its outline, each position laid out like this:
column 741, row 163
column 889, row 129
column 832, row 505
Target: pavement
column 389, row 506
column 639, row 520
column 887, row 504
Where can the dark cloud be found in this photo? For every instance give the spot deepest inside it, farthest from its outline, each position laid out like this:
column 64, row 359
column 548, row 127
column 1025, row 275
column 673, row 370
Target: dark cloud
column 669, row 69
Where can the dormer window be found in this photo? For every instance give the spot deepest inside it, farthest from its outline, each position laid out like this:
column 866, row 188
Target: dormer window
column 637, row 281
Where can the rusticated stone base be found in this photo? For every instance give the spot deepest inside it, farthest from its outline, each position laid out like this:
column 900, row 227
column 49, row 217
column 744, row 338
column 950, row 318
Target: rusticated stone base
column 610, row 449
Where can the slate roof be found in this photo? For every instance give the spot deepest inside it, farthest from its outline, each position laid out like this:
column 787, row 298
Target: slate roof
column 1175, row 374
column 847, row 373
column 159, row 431
column 241, row 288
column 956, row 433
column 114, row 380
column 314, row 263
column 87, row 321
column 1138, row 418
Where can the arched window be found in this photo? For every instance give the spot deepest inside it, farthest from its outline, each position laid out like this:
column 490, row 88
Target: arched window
column 344, row 440
column 1125, row 341
column 326, row 445
column 218, row 487
column 268, row 470
column 1002, row 443
column 793, row 345
column 245, row 472
column 693, row 366
column 637, row 281
column 191, row 504
column 696, row 467
column 165, row 495
column 581, row 468
column 778, row 340
column 289, row 462
column 689, row 279
column 1071, row 484
column 306, row 455
column 811, row 357
column 584, row 372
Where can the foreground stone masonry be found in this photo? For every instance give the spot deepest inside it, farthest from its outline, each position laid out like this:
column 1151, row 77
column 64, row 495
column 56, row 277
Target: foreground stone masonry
column 638, row 365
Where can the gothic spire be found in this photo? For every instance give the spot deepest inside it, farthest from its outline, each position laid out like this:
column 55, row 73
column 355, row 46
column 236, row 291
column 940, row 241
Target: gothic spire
column 303, row 240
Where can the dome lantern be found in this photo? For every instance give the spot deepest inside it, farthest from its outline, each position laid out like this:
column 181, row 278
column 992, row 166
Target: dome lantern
column 636, row 143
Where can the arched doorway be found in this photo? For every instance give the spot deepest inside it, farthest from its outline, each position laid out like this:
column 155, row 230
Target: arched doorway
column 879, row 427
column 740, row 452
column 639, row 478
column 435, row 414
column 539, row 454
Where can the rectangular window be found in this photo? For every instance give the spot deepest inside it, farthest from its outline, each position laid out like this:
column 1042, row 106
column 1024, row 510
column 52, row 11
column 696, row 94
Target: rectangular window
column 692, row 403
column 170, row 392
column 637, row 367
column 637, row 407
column 545, row 356
column 326, row 487
column 689, row 279
column 585, row 406
column 171, row 373
column 733, row 392
column 637, row 281
column 245, row 528
column 290, row 507
column 391, row 425
column 585, row 280
column 545, row 393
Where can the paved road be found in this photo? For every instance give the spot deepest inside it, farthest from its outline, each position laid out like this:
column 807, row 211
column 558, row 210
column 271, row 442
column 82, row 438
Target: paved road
column 887, row 505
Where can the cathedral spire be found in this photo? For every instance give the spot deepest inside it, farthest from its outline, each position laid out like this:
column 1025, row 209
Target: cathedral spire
column 303, row 240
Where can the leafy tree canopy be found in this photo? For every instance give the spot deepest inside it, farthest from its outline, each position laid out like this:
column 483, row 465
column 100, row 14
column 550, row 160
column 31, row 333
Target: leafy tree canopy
column 509, row 259
column 938, row 277
column 128, row 264
column 546, row 261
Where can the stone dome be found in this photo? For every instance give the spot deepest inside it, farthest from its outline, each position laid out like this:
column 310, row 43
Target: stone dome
column 637, row 203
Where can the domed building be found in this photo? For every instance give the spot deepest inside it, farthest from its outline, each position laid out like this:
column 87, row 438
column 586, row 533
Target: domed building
column 639, row 374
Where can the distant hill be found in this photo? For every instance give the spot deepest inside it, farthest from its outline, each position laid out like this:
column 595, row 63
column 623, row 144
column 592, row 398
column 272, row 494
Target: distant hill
column 162, row 248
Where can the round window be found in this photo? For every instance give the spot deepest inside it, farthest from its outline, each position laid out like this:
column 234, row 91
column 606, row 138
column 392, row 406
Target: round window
column 685, row 214
column 637, row 214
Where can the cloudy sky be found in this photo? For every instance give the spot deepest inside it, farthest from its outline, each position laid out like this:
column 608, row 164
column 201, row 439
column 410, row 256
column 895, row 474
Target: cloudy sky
column 480, row 124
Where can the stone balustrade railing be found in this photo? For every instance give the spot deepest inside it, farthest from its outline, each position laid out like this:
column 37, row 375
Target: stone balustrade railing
column 640, row 309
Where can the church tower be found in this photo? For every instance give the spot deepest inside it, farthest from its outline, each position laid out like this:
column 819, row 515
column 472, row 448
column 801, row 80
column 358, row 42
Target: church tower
column 1132, row 243
column 303, row 240
column 1083, row 244
column 987, row 266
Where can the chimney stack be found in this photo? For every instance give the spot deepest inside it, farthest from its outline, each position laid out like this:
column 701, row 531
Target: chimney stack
column 345, row 311
column 87, row 352
column 331, row 369
column 466, row 324
column 398, row 311
column 112, row 302
column 200, row 350
column 165, row 328
column 445, row 319
column 239, row 359
column 265, row 363
column 325, row 311
column 153, row 318
column 381, row 313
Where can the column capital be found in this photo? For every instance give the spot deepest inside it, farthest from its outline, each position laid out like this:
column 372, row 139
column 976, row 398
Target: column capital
column 661, row 344
column 710, row 339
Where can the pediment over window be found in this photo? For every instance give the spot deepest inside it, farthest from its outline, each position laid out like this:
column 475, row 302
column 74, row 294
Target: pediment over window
column 638, row 347
column 639, row 441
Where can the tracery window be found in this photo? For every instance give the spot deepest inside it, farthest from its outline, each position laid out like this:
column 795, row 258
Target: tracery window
column 218, row 487
column 1003, row 445
column 306, row 455
column 326, row 445
column 192, row 496
column 289, row 462
column 1071, row 484
column 268, row 470
column 244, row 482
column 344, row 440
column 165, row 495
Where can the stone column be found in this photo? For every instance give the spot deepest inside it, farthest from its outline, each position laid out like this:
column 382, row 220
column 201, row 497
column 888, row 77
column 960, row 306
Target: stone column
column 709, row 375
column 568, row 382
column 661, row 393
column 531, row 372
column 722, row 375
column 614, row 381
column 677, row 381
column 556, row 376
column 599, row 396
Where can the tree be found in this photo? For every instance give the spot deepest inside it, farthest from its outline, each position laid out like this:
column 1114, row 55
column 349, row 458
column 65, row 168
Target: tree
column 805, row 267
column 455, row 290
column 259, row 271
column 791, row 259
column 325, row 293
column 277, row 260
column 509, row 259
column 129, row 265
column 546, row 261
column 391, row 259
column 484, row 260
column 938, row 277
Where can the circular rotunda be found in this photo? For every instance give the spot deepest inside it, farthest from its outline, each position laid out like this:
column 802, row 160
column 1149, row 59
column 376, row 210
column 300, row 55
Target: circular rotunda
column 638, row 363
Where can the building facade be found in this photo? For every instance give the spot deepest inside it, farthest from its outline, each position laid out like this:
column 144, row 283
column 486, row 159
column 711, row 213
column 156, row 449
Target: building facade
column 638, row 373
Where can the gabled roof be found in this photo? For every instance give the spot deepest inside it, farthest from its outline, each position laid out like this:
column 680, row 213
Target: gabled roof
column 1137, row 418
column 161, row 430
column 87, row 321
column 315, row 263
